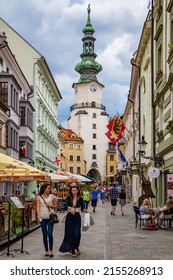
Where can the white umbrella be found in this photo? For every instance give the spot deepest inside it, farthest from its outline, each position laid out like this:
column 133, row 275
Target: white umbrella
column 58, row 178
column 79, row 177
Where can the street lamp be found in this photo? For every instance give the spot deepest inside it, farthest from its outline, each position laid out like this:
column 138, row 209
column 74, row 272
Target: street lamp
column 157, row 159
column 142, row 144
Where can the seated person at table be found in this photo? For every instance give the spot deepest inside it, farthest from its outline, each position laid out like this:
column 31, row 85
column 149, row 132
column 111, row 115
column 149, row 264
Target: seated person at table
column 167, row 206
column 144, row 211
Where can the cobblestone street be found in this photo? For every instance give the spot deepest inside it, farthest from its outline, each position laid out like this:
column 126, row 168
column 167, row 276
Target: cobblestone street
column 110, row 238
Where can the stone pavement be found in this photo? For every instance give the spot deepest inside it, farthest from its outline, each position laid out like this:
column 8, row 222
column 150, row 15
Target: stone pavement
column 110, row 238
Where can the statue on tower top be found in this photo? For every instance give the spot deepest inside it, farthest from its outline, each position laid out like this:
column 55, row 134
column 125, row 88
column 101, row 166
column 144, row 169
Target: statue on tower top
column 89, row 9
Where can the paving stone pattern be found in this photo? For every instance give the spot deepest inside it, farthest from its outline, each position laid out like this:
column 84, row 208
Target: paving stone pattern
column 110, row 238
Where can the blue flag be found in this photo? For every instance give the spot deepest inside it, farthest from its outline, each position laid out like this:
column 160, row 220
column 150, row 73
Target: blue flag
column 121, row 157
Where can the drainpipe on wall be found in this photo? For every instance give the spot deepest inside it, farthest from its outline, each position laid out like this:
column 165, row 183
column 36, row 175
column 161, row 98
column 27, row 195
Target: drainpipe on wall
column 133, row 103
column 153, row 148
column 133, row 64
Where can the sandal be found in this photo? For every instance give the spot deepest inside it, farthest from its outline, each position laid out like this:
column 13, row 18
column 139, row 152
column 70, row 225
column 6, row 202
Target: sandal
column 78, row 252
column 74, row 255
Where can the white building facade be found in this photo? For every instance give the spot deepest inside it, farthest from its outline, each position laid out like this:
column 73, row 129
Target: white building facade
column 88, row 116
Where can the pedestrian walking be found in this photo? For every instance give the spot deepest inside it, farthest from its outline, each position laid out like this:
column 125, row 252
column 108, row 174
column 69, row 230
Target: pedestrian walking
column 107, row 193
column 72, row 234
column 94, row 196
column 118, row 189
column 86, row 198
column 102, row 195
column 122, row 201
column 113, row 198
column 46, row 204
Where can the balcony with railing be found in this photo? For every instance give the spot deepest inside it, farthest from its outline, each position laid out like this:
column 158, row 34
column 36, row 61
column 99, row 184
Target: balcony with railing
column 87, row 105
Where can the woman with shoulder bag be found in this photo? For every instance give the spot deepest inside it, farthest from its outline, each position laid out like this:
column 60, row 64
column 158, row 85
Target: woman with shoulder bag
column 46, row 204
column 72, row 233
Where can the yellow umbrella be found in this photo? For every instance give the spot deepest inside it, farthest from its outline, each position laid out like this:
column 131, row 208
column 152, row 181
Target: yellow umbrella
column 9, row 165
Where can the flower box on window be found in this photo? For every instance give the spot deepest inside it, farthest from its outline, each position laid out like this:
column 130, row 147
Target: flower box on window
column 159, row 134
column 169, row 126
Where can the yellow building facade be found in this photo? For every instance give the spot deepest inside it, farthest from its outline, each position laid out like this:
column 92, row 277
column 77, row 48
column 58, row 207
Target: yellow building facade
column 71, row 149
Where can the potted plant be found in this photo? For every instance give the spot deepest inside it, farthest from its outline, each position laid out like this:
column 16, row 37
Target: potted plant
column 169, row 126
column 159, row 134
column 170, row 46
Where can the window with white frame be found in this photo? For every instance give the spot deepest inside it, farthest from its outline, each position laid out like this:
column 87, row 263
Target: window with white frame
column 70, row 146
column 78, row 147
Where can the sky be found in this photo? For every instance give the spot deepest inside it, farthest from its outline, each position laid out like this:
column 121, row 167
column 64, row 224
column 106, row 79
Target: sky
column 54, row 28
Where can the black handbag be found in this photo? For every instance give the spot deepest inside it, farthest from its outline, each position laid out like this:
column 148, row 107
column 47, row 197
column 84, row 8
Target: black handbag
column 53, row 216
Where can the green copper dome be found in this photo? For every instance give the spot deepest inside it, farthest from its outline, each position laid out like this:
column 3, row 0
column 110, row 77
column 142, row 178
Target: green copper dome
column 88, row 64
column 88, row 29
column 88, row 68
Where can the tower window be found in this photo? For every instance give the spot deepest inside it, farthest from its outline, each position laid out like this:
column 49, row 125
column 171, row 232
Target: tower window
column 94, row 147
column 111, row 168
column 94, row 156
column 94, row 135
column 111, row 157
column 94, row 115
column 93, row 104
column 94, row 125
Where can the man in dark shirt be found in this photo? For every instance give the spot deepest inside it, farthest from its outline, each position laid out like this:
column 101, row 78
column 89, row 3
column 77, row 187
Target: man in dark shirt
column 113, row 198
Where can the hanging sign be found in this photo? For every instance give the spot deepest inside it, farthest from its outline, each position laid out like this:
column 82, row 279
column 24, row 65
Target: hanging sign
column 170, row 184
column 154, row 172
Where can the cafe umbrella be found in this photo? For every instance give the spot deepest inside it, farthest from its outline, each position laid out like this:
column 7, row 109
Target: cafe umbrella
column 13, row 170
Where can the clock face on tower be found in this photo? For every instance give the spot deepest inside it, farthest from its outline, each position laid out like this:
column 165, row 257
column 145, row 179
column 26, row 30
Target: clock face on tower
column 93, row 88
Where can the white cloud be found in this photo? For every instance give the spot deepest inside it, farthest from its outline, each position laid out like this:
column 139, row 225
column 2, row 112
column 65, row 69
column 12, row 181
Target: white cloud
column 54, row 28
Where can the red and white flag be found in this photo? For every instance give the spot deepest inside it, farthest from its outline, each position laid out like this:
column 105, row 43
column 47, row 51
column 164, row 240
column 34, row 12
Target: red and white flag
column 115, row 129
column 23, row 150
column 57, row 160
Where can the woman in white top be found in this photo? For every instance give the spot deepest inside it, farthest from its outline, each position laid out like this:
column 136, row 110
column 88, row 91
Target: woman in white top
column 45, row 202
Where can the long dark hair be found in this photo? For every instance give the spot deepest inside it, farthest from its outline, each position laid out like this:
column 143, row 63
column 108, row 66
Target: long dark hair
column 43, row 187
column 76, row 187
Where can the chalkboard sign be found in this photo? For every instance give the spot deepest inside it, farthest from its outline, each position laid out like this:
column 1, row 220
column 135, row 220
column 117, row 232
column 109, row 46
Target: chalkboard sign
column 15, row 201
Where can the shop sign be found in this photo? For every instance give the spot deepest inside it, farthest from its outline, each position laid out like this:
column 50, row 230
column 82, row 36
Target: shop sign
column 153, row 172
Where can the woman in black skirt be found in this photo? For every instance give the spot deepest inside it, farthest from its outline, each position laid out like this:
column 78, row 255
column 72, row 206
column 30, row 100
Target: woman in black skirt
column 72, row 234
column 122, row 200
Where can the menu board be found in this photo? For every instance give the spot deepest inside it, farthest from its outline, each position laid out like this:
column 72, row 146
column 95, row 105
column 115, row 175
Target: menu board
column 16, row 201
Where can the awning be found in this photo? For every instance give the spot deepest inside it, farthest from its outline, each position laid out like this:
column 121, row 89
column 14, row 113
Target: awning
column 88, row 177
column 80, row 178
column 24, row 178
column 58, row 178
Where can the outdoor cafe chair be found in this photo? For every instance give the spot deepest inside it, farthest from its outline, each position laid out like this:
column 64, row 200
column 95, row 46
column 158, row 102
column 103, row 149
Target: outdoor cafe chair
column 167, row 218
column 139, row 218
